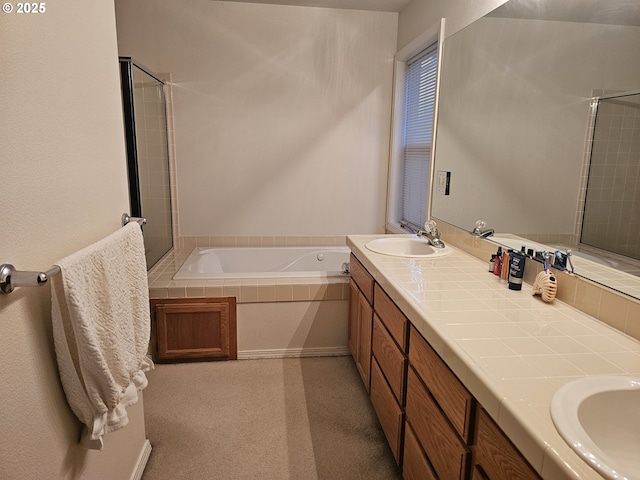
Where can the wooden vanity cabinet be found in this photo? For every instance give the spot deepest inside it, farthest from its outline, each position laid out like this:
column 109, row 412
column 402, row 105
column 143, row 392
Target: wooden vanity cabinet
column 434, row 426
column 360, row 318
column 494, row 456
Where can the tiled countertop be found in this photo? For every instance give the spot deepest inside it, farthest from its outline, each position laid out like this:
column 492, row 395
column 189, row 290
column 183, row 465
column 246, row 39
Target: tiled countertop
column 510, row 349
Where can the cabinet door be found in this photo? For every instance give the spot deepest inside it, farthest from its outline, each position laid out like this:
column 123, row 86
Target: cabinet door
column 353, row 320
column 194, row 329
column 365, row 326
column 494, row 454
column 387, row 409
column 390, row 359
column 446, row 452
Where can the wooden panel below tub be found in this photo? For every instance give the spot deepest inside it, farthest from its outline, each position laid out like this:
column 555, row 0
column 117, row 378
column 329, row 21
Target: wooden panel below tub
column 193, row 329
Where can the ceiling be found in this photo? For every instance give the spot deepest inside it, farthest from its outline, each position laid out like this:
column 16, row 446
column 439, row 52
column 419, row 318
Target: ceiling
column 372, row 5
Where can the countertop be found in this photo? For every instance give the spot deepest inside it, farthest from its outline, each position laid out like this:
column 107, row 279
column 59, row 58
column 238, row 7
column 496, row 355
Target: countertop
column 510, row 349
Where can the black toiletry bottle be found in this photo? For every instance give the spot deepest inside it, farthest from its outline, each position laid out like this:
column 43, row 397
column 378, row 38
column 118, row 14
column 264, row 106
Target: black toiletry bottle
column 516, row 270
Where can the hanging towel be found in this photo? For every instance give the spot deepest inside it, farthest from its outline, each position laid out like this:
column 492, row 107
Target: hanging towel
column 101, row 327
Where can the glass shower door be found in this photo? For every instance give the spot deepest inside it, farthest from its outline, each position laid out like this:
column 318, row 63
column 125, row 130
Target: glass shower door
column 144, row 102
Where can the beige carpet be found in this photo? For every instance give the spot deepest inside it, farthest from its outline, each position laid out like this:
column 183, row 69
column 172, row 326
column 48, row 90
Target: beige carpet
column 307, row 418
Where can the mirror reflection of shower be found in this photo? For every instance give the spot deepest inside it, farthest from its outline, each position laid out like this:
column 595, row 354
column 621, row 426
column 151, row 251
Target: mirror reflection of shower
column 145, row 117
column 611, row 219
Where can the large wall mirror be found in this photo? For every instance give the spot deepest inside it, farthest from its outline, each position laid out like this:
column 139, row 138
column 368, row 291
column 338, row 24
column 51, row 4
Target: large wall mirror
column 539, row 125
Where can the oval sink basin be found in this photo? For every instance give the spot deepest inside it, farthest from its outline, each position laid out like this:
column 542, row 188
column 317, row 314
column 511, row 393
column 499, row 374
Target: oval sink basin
column 406, row 247
column 599, row 417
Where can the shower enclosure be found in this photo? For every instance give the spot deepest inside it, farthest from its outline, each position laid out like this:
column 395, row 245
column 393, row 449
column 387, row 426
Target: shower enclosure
column 611, row 218
column 145, row 119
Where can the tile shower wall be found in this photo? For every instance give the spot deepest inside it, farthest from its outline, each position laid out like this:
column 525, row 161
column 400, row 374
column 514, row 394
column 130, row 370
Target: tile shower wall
column 153, row 164
column 612, row 206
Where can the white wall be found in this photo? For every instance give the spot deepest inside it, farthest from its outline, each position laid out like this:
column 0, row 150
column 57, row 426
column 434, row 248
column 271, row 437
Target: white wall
column 281, row 113
column 62, row 164
column 422, row 14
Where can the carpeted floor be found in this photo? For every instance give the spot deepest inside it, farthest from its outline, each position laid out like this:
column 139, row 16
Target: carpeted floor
column 302, row 418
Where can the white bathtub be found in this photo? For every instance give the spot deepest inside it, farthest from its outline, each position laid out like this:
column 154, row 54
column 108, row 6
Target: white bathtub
column 263, row 262
column 270, row 327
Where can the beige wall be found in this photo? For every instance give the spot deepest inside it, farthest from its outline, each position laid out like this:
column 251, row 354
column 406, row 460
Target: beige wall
column 281, row 113
column 62, row 164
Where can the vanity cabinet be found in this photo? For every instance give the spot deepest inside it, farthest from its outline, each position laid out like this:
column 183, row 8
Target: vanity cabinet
column 361, row 318
column 436, row 429
column 494, row 456
column 389, row 368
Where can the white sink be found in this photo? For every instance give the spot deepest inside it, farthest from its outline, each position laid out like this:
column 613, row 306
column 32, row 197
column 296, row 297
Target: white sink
column 599, row 417
column 406, row 247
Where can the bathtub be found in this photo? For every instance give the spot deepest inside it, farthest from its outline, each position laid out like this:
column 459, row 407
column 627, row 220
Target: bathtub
column 263, row 262
column 313, row 322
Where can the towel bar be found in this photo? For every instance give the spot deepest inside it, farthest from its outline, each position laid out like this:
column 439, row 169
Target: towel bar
column 10, row 278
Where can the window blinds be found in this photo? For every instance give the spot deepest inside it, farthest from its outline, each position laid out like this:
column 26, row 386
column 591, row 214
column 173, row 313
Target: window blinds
column 420, row 90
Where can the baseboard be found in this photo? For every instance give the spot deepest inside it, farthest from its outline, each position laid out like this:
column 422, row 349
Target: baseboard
column 294, row 353
column 142, row 461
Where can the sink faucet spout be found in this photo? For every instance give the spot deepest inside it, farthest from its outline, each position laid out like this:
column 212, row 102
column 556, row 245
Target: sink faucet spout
column 431, row 234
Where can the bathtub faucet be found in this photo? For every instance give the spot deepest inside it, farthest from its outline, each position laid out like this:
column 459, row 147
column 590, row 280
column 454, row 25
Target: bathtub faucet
column 431, row 234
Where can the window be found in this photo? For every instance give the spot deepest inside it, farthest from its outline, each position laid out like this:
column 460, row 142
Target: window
column 420, row 93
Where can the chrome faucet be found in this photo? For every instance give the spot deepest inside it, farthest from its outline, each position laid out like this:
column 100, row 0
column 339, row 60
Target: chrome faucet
column 431, row 234
column 480, row 231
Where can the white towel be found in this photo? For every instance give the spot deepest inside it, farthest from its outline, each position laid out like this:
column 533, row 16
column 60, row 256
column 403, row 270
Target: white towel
column 101, row 327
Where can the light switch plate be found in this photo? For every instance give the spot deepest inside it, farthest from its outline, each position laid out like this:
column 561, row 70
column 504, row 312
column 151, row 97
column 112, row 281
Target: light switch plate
column 442, row 184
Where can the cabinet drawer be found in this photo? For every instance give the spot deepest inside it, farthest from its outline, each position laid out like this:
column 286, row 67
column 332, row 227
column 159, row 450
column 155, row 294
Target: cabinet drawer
column 496, row 455
column 415, row 465
column 363, row 279
column 446, row 452
column 391, row 316
column 387, row 409
column 451, row 395
column 391, row 360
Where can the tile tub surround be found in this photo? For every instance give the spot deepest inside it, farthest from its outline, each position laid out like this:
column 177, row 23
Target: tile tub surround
column 510, row 349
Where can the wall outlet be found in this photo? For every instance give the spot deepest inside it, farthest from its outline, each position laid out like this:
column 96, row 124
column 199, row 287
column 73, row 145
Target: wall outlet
column 442, row 184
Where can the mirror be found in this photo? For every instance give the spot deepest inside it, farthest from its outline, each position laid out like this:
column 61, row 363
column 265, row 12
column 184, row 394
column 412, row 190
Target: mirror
column 517, row 113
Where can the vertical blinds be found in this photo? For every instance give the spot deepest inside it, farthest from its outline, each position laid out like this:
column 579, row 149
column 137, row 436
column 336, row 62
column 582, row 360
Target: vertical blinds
column 420, row 90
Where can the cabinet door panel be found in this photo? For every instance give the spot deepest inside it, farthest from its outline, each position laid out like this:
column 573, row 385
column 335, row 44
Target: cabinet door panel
column 387, row 409
column 390, row 359
column 415, row 465
column 391, row 316
column 194, row 329
column 353, row 319
column 446, row 452
column 362, row 277
column 365, row 326
column 496, row 455
column 451, row 395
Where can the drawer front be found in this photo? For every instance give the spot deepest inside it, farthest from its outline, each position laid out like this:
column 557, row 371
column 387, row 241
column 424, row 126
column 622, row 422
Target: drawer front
column 446, row 452
column 415, row 465
column 496, row 455
column 387, row 409
column 362, row 278
column 390, row 359
column 451, row 395
column 391, row 316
